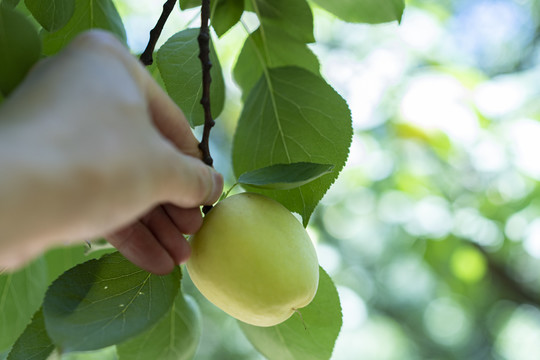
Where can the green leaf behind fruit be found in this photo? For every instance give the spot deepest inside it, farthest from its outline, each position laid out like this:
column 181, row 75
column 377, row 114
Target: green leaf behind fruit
column 181, row 72
column 175, row 337
column 106, row 301
column 89, row 14
column 21, row 294
column 284, row 176
column 291, row 116
column 364, row 11
column 34, row 343
column 308, row 335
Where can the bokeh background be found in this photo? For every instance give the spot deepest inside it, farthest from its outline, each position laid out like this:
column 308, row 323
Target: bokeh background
column 432, row 232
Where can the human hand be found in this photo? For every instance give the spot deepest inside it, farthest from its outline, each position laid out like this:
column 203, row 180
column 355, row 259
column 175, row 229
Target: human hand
column 106, row 153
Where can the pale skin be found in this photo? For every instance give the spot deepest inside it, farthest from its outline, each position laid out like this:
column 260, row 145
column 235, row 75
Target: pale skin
column 91, row 146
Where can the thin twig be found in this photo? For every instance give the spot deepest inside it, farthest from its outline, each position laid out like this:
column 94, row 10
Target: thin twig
column 204, row 56
column 147, row 56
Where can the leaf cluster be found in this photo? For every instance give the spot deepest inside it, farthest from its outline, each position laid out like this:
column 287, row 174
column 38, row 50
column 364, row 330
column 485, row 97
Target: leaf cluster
column 109, row 301
column 291, row 142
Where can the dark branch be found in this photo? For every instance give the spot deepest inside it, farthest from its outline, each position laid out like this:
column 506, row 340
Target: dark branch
column 204, row 56
column 515, row 289
column 147, row 56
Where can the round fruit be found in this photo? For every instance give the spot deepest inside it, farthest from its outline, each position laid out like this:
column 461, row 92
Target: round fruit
column 254, row 260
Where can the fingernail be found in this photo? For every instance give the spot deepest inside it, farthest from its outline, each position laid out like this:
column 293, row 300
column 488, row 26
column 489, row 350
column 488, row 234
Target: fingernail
column 217, row 187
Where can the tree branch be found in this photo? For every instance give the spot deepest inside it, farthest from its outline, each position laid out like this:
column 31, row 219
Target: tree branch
column 515, row 289
column 204, row 56
column 147, row 56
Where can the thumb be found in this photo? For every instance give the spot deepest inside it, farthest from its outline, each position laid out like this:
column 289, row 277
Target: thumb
column 189, row 182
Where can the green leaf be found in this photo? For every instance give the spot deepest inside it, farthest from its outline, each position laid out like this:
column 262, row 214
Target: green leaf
column 273, row 48
column 188, row 4
column 21, row 294
column 311, row 334
column 11, row 3
column 284, row 176
column 108, row 353
column 63, row 258
column 293, row 16
column 20, row 47
column 154, row 71
column 106, row 301
column 52, row 14
column 293, row 116
column 226, row 14
column 34, row 343
column 365, row 11
column 89, row 14
column 175, row 337
column 181, row 71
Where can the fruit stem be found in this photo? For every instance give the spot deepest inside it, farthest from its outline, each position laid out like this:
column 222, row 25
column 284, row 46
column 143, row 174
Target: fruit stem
column 225, row 194
column 301, row 318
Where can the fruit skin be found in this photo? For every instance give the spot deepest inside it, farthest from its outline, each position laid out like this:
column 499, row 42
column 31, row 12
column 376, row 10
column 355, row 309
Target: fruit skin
column 254, row 260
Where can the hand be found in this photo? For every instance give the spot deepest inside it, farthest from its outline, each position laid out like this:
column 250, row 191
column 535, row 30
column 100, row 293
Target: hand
column 96, row 148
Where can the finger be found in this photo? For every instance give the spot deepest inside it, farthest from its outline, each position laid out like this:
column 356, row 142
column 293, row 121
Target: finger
column 137, row 243
column 187, row 181
column 188, row 221
column 171, row 121
column 166, row 232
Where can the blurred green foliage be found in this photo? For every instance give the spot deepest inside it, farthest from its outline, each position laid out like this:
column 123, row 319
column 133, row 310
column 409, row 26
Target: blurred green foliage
column 433, row 225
